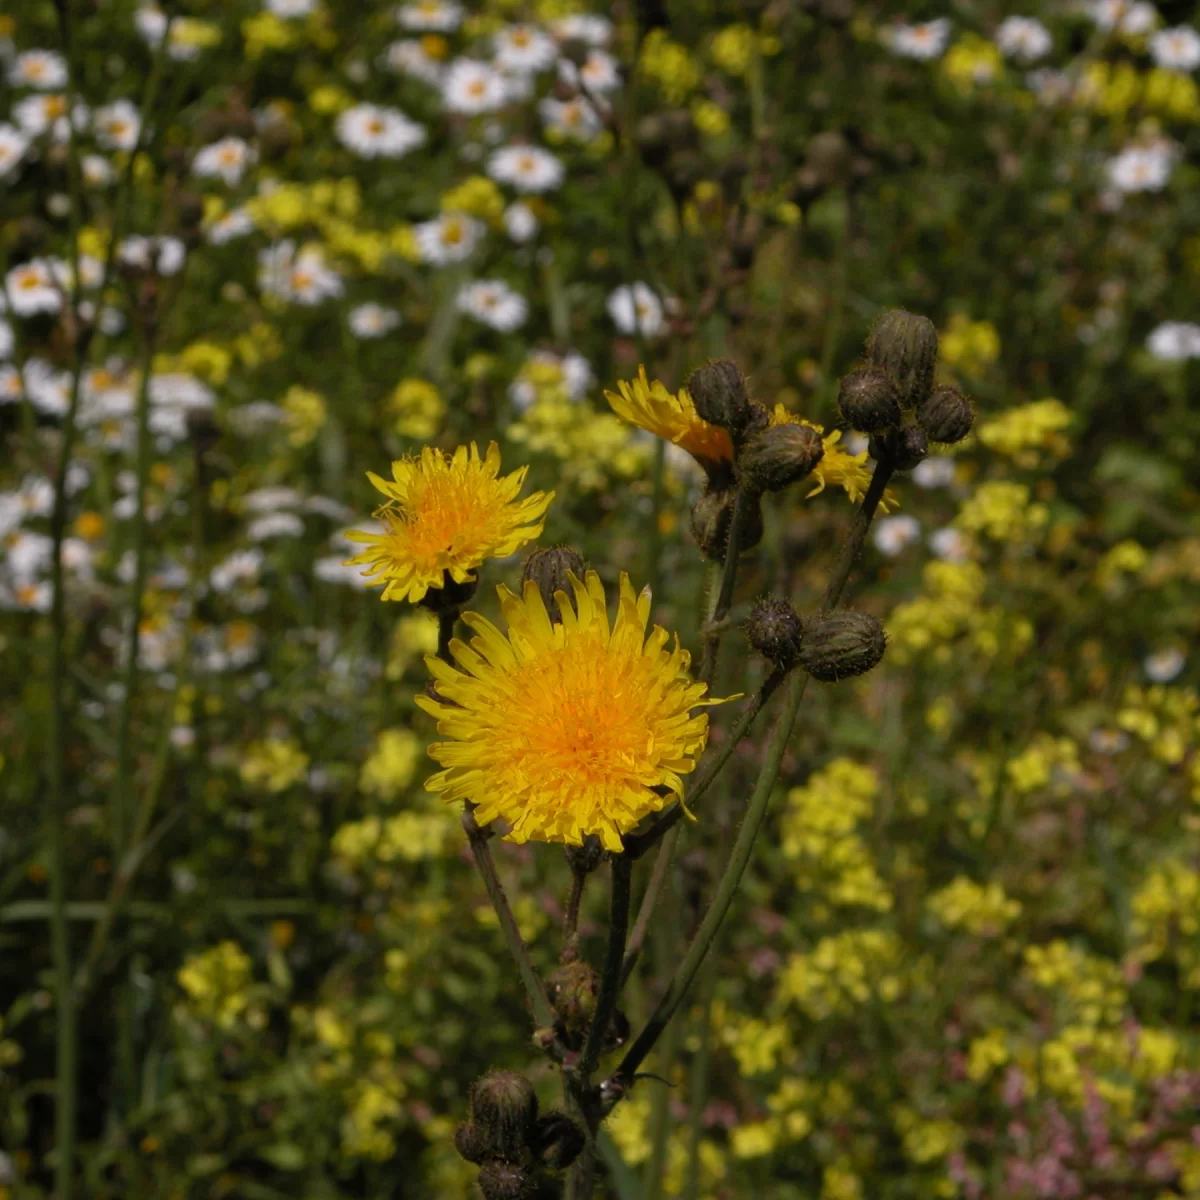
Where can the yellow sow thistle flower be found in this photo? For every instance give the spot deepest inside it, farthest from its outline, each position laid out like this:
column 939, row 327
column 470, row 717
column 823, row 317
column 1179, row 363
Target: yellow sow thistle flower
column 445, row 514
column 570, row 729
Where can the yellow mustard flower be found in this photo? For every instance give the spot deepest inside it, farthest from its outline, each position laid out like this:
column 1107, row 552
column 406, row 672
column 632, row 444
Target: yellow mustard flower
column 418, row 408
column 568, row 729
column 445, row 514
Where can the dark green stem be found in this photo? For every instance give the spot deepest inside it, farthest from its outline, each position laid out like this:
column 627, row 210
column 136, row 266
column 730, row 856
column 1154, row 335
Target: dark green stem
column 610, row 980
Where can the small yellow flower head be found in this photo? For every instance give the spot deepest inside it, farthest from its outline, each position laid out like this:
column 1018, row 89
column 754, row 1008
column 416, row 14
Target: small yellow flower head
column 446, row 514
column 305, row 412
column 672, row 416
column 418, row 408
column 733, row 49
column 569, row 729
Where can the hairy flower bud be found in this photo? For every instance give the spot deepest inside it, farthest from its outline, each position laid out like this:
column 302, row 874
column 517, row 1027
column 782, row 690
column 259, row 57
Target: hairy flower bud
column 504, row 1107
column 470, row 1143
column 869, row 401
column 902, row 448
column 947, row 416
column 779, row 456
column 711, row 515
column 905, row 346
column 774, row 628
column 557, row 1141
column 837, row 645
column 500, row 1180
column 573, row 988
column 719, row 393
column 548, row 568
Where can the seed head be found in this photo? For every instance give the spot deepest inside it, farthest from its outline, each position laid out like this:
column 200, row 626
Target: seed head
column 779, row 456
column 905, row 346
column 947, row 416
column 869, row 401
column 774, row 628
column 837, row 645
column 504, row 1107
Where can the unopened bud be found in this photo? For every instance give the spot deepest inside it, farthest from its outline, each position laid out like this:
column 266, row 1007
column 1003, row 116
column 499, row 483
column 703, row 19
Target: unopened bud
column 719, row 393
column 905, row 346
column 504, row 1107
column 573, row 988
column 775, row 629
column 947, row 416
column 902, row 449
column 470, row 1143
column 780, row 456
column 549, row 569
column 869, row 401
column 837, row 645
column 711, row 517
column 504, row 1181
column 557, row 1141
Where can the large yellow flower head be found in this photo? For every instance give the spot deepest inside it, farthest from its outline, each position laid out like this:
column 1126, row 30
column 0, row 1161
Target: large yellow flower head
column 445, row 514
column 568, row 729
column 672, row 416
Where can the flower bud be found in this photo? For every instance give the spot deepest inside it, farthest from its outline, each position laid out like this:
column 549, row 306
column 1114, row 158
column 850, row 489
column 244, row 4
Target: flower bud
column 500, row 1180
column 548, row 568
column 573, row 988
column 869, row 401
column 947, row 416
column 719, row 393
column 557, row 1141
column 905, row 346
column 779, row 456
column 774, row 629
column 504, row 1107
column 837, row 645
column 470, row 1143
column 902, row 448
column 711, row 515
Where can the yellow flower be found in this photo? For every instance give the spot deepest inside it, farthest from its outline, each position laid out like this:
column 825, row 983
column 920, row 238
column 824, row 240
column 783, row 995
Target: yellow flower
column 570, row 729
column 445, row 515
column 672, row 416
column 418, row 408
column 837, row 466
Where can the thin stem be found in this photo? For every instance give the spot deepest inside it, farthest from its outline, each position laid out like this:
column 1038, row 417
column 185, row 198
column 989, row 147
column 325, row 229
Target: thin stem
column 698, row 1084
column 447, row 619
column 571, row 920
column 658, row 877
column 611, row 979
column 543, row 1014
column 742, row 504
column 858, row 535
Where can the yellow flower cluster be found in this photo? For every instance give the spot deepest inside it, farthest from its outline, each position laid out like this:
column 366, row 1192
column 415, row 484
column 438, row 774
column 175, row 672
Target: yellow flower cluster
column 1036, row 765
column 1090, row 989
column 304, row 414
column 983, row 910
column 971, row 62
column 1167, row 719
column 629, row 1128
column 1166, row 919
column 417, row 408
column 840, row 1182
column 374, row 1107
column 273, row 764
column 407, row 836
column 842, row 972
column 1029, row 433
column 733, row 48
column 756, row 1045
column 392, row 764
column 204, row 359
column 477, row 196
column 925, row 1139
column 987, row 1053
column 1002, row 510
column 217, row 983
column 1114, row 89
column 819, row 830
column 412, row 638
column 709, row 117
column 670, row 65
column 1082, row 1056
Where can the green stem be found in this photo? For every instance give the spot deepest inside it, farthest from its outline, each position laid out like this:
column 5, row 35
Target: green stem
column 698, row 1084
column 611, row 979
column 658, row 876
column 723, row 599
column 858, row 535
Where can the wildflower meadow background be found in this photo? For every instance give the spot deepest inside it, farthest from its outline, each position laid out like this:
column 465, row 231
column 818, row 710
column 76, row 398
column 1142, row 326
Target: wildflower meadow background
column 255, row 249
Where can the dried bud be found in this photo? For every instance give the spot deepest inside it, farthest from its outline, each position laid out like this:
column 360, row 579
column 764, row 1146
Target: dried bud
column 902, row 449
column 777, row 457
column 869, row 401
column 505, row 1181
column 548, row 569
column 905, row 346
column 557, row 1141
column 504, row 1107
column 837, row 645
column 470, row 1143
column 719, row 394
column 711, row 515
column 573, row 988
column 947, row 416
column 775, row 629
column 584, row 859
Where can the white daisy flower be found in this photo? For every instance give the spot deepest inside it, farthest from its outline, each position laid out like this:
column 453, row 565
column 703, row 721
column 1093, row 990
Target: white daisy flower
column 1173, row 341
column 302, row 278
column 1141, row 168
column 1024, row 39
column 374, row 132
column 526, row 168
column 235, row 223
column 431, row 16
column 524, row 48
column 96, row 170
column 7, row 341
column 240, row 568
column 278, row 524
column 471, row 87
column 31, row 288
column 13, row 144
column 925, row 41
column 151, row 24
column 45, row 70
column 409, row 57
column 226, row 159
column 575, row 119
column 331, row 568
column 372, row 320
column 599, row 73
column 1127, row 16
column 48, row 389
column 41, row 116
column 289, row 9
column 934, row 472
column 893, row 535
column 11, row 389
column 1164, row 665
column 636, row 308
column 270, row 499
column 492, row 302
column 583, row 27
column 1108, row 741
column 117, row 125
column 162, row 255
column 1176, row 49
column 27, row 596
column 519, row 222
column 950, row 544
column 447, row 238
